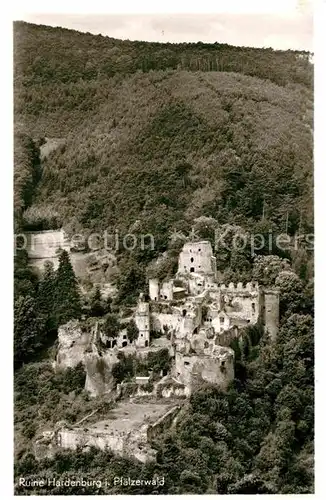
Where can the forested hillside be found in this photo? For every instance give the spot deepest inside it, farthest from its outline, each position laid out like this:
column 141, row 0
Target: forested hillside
column 196, row 142
column 43, row 53
column 150, row 138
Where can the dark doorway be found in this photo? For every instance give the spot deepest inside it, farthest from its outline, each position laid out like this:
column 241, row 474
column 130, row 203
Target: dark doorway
column 146, row 343
column 124, row 344
column 192, row 269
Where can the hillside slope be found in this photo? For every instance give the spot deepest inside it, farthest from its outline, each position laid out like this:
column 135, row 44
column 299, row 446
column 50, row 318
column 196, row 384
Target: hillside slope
column 194, row 143
column 152, row 150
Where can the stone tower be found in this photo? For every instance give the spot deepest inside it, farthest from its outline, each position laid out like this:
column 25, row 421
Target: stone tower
column 197, row 257
column 142, row 322
column 272, row 312
column 154, row 289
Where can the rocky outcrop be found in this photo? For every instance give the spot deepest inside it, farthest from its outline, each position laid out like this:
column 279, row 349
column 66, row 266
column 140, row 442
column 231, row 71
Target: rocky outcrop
column 74, row 342
column 99, row 378
column 79, row 343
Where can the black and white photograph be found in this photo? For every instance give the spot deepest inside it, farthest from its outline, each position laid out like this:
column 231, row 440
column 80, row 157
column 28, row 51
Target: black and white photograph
column 163, row 276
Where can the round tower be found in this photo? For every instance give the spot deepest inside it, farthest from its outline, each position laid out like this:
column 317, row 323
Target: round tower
column 154, row 289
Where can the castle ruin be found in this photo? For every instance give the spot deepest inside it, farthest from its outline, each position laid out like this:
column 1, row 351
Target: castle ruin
column 199, row 303
column 198, row 319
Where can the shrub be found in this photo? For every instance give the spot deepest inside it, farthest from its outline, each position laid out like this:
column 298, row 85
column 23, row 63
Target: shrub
column 111, row 325
column 124, row 369
column 73, row 379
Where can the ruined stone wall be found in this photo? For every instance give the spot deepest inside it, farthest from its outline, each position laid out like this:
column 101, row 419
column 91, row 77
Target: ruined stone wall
column 215, row 368
column 76, row 344
column 191, row 318
column 120, row 341
column 71, row 439
column 166, row 291
column 168, row 387
column 221, row 322
column 134, row 445
column 196, row 284
column 237, row 301
column 174, row 392
column 198, row 341
column 213, row 266
column 224, row 338
column 163, row 424
column 203, row 341
column 248, row 306
column 132, row 439
column 172, row 321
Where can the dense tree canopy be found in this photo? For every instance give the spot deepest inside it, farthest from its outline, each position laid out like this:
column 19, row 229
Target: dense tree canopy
column 231, row 141
column 41, row 305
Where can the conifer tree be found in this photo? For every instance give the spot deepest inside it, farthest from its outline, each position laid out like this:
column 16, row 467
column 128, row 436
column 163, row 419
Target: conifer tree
column 96, row 303
column 46, row 296
column 67, row 297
